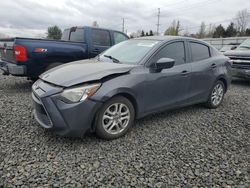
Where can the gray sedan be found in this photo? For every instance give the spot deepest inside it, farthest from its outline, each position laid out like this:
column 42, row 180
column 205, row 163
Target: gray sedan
column 130, row 80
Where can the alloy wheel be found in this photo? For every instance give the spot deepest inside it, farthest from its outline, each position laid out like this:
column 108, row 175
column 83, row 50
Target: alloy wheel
column 116, row 118
column 217, row 94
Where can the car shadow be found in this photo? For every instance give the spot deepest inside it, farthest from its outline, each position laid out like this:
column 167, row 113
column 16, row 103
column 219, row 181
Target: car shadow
column 172, row 112
column 90, row 139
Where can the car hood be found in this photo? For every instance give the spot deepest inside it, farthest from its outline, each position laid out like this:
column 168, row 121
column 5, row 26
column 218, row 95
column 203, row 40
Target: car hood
column 241, row 53
column 83, row 71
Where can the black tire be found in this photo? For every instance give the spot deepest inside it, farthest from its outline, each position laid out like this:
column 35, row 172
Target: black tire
column 99, row 123
column 53, row 65
column 33, row 79
column 210, row 103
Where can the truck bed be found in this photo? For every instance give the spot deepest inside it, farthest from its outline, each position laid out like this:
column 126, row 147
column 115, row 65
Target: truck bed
column 51, row 51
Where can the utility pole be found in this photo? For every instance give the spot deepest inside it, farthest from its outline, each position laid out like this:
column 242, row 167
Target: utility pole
column 123, row 25
column 158, row 21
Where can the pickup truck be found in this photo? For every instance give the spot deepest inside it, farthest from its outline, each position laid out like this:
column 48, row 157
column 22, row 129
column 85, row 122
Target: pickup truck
column 240, row 60
column 31, row 57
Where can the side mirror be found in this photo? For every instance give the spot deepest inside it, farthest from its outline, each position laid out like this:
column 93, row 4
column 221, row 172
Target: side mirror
column 163, row 63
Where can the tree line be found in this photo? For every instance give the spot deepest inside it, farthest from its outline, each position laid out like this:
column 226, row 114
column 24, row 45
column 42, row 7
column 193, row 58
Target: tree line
column 150, row 33
column 237, row 27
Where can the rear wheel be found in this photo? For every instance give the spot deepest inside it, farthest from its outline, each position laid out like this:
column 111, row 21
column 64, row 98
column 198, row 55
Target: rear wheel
column 115, row 118
column 216, row 96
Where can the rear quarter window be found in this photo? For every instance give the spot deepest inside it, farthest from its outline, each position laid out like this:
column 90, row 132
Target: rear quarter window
column 101, row 37
column 77, row 35
column 119, row 37
column 199, row 51
column 65, row 35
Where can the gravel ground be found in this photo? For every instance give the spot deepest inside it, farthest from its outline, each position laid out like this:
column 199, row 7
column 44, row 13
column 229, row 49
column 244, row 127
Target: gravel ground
column 190, row 147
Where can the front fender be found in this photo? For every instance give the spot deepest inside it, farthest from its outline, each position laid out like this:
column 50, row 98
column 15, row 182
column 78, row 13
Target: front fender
column 131, row 87
column 115, row 92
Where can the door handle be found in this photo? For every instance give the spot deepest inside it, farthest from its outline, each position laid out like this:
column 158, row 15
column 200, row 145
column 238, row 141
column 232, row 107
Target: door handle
column 185, row 73
column 213, row 65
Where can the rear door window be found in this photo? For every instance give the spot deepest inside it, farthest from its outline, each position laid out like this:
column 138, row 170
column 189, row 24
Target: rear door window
column 101, row 37
column 119, row 37
column 77, row 35
column 199, row 51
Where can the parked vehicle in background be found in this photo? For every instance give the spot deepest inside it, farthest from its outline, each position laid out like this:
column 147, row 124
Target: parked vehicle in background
column 231, row 46
column 130, row 80
column 31, row 57
column 218, row 43
column 240, row 59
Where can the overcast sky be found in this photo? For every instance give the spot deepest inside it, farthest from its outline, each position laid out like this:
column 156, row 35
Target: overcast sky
column 30, row 18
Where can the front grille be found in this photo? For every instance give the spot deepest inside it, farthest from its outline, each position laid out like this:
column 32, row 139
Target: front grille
column 40, row 112
column 240, row 62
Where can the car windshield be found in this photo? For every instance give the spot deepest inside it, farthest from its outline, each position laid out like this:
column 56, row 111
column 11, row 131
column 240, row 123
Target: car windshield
column 245, row 45
column 128, row 52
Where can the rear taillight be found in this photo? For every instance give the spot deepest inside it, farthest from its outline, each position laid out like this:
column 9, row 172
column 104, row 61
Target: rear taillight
column 20, row 53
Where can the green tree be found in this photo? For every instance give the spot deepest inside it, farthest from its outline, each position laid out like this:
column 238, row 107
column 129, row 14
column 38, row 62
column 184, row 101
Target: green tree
column 54, row 32
column 202, row 31
column 248, row 32
column 151, row 33
column 242, row 21
column 210, row 30
column 147, row 34
column 173, row 29
column 231, row 30
column 219, row 32
column 142, row 33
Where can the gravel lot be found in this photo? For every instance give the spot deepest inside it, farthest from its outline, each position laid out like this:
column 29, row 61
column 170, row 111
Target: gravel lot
column 190, row 147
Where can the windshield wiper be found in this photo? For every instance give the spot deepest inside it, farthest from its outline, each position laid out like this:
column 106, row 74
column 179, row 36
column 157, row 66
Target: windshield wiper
column 112, row 58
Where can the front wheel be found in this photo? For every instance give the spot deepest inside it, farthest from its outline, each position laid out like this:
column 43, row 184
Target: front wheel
column 216, row 95
column 115, row 118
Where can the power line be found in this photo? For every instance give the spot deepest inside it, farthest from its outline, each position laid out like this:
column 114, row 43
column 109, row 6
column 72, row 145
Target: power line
column 194, row 5
column 173, row 4
column 159, row 13
column 218, row 22
column 181, row 2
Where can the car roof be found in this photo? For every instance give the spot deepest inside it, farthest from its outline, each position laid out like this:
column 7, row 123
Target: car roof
column 92, row 27
column 167, row 38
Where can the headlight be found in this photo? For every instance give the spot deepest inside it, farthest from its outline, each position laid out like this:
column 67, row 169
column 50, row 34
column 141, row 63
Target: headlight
column 78, row 94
